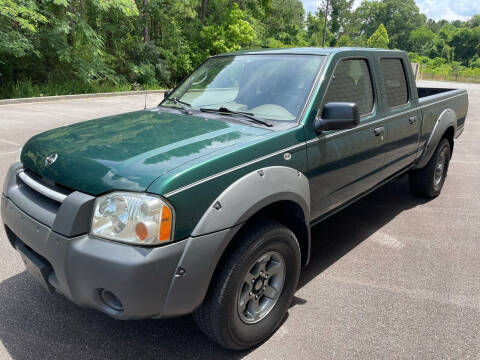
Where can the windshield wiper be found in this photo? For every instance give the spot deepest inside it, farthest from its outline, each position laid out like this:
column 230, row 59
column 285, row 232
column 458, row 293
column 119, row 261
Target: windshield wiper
column 180, row 104
column 224, row 110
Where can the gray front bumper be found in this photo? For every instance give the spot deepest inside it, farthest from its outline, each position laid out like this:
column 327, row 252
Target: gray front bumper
column 139, row 277
column 156, row 282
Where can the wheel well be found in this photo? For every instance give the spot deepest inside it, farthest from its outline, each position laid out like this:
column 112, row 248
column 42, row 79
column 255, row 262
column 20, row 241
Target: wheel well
column 287, row 212
column 291, row 214
column 449, row 134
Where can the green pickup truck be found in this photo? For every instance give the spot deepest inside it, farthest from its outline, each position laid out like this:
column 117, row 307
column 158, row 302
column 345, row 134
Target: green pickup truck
column 204, row 203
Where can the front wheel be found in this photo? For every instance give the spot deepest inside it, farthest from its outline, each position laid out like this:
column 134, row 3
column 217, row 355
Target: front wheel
column 428, row 181
column 253, row 288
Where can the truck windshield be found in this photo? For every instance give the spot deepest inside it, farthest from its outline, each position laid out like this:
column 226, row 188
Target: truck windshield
column 266, row 86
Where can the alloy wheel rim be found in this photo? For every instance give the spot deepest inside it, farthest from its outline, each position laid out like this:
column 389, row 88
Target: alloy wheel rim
column 261, row 287
column 439, row 169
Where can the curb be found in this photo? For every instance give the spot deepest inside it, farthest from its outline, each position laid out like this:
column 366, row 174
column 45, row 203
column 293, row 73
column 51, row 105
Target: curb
column 76, row 96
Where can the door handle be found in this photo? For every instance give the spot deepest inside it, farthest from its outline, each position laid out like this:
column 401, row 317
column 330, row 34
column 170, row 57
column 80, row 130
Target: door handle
column 412, row 120
column 379, row 131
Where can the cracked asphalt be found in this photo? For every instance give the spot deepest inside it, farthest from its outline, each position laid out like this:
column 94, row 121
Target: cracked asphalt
column 391, row 277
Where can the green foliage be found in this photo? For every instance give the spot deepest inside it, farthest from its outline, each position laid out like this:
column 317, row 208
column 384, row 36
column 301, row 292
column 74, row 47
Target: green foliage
column 25, row 88
column 18, row 20
column 234, row 34
column 466, row 42
column 66, row 46
column 315, row 27
column 344, row 41
column 285, row 21
column 340, row 15
column 23, row 14
column 379, row 38
column 421, row 39
column 400, row 18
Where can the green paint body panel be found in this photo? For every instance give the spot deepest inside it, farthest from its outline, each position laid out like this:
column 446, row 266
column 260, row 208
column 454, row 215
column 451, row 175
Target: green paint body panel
column 128, row 151
column 202, row 195
column 192, row 159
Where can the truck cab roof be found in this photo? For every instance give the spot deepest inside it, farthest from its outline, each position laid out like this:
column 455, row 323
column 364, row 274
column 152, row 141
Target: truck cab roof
column 312, row 51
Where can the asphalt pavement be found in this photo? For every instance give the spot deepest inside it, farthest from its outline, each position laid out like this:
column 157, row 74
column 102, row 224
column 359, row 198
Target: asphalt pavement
column 391, row 277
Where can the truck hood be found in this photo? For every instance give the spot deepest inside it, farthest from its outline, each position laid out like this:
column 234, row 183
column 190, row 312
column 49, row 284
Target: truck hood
column 128, row 151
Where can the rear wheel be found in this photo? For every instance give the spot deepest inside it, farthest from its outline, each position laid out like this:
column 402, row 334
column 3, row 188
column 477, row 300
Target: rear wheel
column 253, row 288
column 428, row 181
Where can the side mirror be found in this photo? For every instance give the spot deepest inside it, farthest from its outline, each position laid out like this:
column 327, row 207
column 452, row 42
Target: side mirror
column 337, row 116
column 167, row 93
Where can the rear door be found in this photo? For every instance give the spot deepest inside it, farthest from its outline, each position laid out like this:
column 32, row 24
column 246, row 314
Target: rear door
column 345, row 163
column 402, row 117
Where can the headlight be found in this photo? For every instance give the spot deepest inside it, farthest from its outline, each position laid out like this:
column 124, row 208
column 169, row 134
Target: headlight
column 132, row 218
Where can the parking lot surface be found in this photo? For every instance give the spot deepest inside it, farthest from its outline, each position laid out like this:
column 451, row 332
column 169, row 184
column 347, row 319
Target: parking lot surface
column 391, row 277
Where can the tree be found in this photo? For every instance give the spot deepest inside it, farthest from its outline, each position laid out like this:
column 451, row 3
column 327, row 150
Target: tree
column 420, row 40
column 285, row 21
column 146, row 16
column 446, row 32
column 18, row 21
column 379, row 38
column 315, row 28
column 400, row 18
column 340, row 16
column 232, row 35
column 344, row 41
column 474, row 21
column 204, row 11
column 440, row 48
column 66, row 46
column 465, row 41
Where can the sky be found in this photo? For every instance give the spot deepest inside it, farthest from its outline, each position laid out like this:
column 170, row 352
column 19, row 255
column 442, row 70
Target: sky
column 434, row 9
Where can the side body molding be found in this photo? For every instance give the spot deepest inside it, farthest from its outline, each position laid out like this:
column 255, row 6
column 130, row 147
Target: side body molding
column 251, row 193
column 447, row 119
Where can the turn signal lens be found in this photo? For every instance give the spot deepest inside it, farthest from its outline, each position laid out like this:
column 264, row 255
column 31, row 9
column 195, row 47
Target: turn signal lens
column 165, row 224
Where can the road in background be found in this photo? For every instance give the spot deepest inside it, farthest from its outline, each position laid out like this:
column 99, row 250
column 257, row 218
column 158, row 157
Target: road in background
column 392, row 276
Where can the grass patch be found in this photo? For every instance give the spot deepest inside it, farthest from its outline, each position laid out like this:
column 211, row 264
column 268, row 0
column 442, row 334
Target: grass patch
column 25, row 88
column 450, row 77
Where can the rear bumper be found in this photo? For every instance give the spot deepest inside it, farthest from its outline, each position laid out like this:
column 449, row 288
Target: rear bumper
column 154, row 282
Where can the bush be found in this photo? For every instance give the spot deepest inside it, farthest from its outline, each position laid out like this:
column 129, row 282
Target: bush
column 25, row 88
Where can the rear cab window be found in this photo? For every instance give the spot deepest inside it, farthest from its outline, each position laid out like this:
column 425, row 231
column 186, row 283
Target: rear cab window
column 395, row 82
column 352, row 82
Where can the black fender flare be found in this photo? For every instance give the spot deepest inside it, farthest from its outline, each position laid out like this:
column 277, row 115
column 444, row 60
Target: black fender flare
column 447, row 119
column 220, row 223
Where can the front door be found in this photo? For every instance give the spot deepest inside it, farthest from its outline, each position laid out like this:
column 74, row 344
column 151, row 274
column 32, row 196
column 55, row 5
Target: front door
column 345, row 163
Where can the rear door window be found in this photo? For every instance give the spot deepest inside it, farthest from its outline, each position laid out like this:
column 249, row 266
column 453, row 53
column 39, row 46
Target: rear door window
column 395, row 82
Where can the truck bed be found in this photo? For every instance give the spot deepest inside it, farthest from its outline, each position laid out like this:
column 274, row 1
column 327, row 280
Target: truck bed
column 424, row 91
column 433, row 101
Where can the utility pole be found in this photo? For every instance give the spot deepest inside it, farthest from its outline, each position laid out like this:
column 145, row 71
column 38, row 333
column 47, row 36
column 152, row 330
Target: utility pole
column 325, row 25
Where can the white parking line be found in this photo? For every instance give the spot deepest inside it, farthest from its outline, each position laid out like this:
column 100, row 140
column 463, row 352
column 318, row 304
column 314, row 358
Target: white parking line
column 9, row 142
column 465, row 162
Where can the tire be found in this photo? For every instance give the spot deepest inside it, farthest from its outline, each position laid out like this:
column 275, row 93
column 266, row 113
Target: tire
column 428, row 181
column 221, row 316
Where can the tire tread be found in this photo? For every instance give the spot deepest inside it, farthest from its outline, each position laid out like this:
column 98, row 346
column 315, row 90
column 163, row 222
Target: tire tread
column 208, row 317
column 420, row 180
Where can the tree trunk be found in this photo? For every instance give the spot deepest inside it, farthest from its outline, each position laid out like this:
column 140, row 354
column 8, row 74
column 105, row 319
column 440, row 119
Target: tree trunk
column 71, row 8
column 325, row 25
column 146, row 20
column 204, row 11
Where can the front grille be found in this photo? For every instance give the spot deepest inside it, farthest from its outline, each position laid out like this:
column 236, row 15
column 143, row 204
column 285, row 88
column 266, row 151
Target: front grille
column 39, row 185
column 64, row 211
